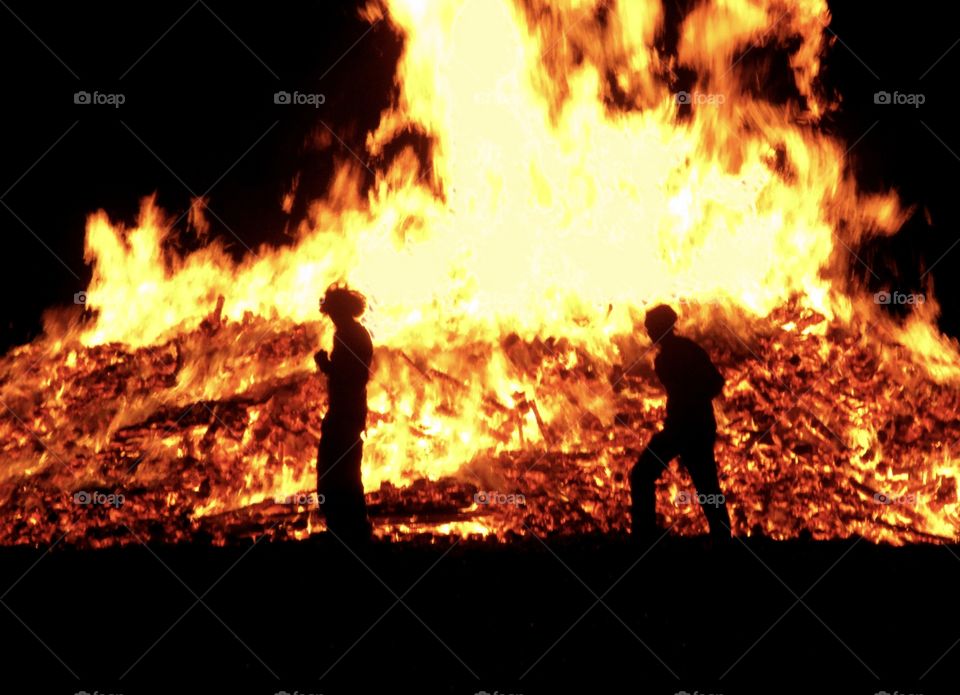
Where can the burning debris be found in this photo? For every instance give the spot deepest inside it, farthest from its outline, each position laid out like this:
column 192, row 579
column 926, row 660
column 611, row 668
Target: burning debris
column 817, row 437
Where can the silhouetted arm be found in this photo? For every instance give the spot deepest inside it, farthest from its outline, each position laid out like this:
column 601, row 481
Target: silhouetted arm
column 711, row 377
column 322, row 361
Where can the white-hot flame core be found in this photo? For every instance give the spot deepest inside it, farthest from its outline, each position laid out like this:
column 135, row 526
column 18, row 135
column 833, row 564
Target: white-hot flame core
column 554, row 204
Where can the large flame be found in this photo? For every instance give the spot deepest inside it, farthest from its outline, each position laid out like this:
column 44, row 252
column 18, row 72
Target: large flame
column 544, row 203
column 574, row 177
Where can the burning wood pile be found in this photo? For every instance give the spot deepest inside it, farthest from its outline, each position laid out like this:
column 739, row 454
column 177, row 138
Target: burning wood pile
column 107, row 453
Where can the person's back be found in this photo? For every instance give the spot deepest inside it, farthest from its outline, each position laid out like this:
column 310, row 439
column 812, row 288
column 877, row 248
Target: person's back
column 349, row 371
column 690, row 379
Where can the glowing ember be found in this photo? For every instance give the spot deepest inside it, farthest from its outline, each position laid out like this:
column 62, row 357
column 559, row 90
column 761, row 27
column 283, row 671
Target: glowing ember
column 572, row 182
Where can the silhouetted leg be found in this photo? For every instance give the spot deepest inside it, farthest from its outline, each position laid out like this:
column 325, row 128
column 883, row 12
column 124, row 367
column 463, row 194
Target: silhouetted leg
column 339, row 481
column 355, row 521
column 702, row 466
column 643, row 482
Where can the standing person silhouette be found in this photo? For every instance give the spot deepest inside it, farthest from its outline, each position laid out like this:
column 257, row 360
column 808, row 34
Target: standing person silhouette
column 341, row 447
column 689, row 431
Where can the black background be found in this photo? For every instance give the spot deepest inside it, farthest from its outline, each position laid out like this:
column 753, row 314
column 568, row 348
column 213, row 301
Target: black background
column 203, row 95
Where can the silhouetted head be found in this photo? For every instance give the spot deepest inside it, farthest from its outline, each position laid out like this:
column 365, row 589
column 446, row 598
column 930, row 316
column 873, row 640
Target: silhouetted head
column 659, row 322
column 342, row 304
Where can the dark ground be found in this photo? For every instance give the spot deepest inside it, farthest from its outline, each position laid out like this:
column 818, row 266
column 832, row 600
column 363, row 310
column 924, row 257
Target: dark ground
column 479, row 617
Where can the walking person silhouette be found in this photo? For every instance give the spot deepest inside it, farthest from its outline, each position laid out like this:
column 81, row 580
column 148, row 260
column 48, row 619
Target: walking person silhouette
column 341, row 448
column 689, row 431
